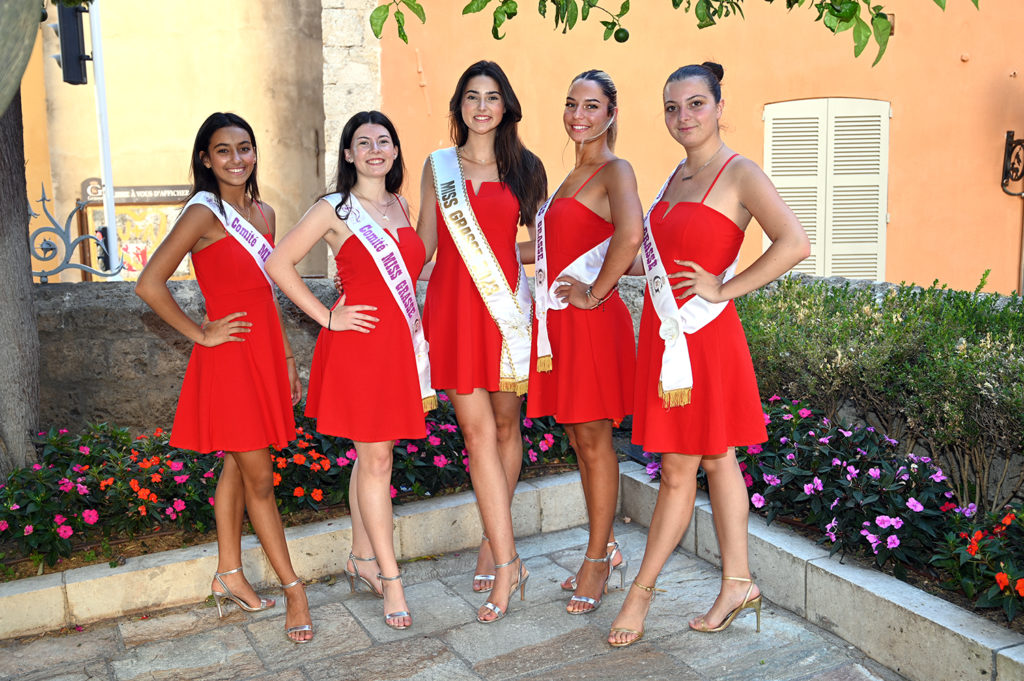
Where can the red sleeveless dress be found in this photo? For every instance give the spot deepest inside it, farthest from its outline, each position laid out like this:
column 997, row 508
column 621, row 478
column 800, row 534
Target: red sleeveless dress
column 235, row 397
column 365, row 386
column 725, row 408
column 593, row 355
column 465, row 343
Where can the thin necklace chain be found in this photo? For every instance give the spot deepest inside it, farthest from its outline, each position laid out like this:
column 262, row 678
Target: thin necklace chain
column 248, row 212
column 694, row 173
column 376, row 206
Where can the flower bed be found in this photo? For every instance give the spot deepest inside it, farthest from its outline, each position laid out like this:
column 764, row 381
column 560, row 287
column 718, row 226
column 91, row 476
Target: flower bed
column 101, row 484
column 859, row 495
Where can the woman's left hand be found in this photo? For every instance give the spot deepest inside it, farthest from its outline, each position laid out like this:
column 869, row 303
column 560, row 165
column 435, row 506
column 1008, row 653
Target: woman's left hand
column 698, row 281
column 574, row 292
column 293, row 380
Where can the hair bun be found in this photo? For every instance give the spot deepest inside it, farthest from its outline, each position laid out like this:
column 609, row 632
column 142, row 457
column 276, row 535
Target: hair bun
column 715, row 69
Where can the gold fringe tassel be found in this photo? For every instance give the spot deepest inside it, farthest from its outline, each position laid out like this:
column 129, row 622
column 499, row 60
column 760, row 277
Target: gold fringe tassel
column 511, row 385
column 429, row 403
column 679, row 397
column 544, row 363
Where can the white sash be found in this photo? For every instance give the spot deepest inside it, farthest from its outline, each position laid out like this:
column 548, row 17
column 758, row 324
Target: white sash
column 389, row 263
column 510, row 311
column 254, row 243
column 676, row 379
column 584, row 268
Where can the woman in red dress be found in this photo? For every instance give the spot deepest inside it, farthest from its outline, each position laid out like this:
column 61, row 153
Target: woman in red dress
column 698, row 226
column 589, row 386
column 241, row 381
column 363, row 384
column 497, row 185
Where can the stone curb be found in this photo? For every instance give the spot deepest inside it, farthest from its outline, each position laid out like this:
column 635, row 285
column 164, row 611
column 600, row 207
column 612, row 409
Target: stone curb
column 910, row 631
column 178, row 577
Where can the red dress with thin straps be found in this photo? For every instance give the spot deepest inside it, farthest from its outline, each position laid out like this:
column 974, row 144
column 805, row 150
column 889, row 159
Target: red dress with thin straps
column 465, row 343
column 235, row 396
column 365, row 386
column 593, row 356
column 725, row 408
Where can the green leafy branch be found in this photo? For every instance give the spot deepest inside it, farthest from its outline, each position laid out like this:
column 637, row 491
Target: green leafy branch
column 865, row 20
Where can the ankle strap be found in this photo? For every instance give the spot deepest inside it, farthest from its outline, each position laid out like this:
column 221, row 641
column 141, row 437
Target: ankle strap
column 648, row 589
column 514, row 559
column 596, row 560
column 737, row 579
column 389, row 579
column 229, row 572
column 352, row 556
column 291, row 584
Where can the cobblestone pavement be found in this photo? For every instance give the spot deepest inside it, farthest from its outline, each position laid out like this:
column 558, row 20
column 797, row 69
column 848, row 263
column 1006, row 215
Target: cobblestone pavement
column 537, row 640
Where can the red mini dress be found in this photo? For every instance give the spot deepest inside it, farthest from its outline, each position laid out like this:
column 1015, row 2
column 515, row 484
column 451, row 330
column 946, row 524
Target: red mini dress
column 235, row 396
column 365, row 386
column 593, row 356
column 725, row 408
column 465, row 343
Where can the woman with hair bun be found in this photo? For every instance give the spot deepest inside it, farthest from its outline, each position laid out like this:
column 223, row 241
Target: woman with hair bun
column 584, row 355
column 696, row 393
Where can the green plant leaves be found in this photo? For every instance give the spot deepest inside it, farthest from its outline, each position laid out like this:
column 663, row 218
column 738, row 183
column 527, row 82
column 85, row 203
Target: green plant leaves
column 416, row 9
column 377, row 18
column 475, row 6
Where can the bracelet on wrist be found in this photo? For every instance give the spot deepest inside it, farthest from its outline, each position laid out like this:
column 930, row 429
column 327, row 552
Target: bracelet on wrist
column 330, row 313
column 599, row 301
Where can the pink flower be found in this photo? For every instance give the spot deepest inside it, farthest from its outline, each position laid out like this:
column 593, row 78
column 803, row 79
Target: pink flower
column 15, row 507
column 412, row 449
column 846, row 433
column 440, row 461
column 791, row 457
column 448, row 427
column 755, row 449
column 62, row 431
column 653, row 469
column 808, row 489
column 774, row 398
column 37, row 467
column 170, row 513
column 748, row 480
column 342, row 461
column 175, row 465
column 914, row 505
column 787, row 417
column 351, row 454
column 211, row 500
column 757, row 500
column 443, row 398
column 528, row 423
column 65, row 485
column 82, row 489
column 434, row 440
column 90, row 516
column 837, row 462
column 783, row 440
column 83, row 449
column 29, row 530
column 3, row 525
column 892, row 541
column 818, row 486
column 875, row 473
column 768, row 419
column 533, row 455
column 65, row 531
column 180, row 478
column 178, row 505
column 897, row 522
column 394, row 492
column 771, row 479
column 59, row 519
column 834, row 504
column 804, row 413
column 938, row 476
column 883, row 521
column 209, row 474
column 824, row 440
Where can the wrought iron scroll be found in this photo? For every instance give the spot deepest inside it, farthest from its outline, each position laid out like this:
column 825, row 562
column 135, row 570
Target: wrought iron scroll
column 47, row 242
column 1013, row 163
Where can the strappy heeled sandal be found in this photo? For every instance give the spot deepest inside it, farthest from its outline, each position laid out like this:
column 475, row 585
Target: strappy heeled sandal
column 388, row 616
column 302, row 627
column 520, row 584
column 483, row 578
column 354, row 575
column 219, row 596
column 748, row 602
column 586, row 599
column 621, row 567
column 623, row 630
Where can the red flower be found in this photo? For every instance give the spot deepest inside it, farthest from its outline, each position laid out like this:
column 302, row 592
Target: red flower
column 152, row 497
column 134, row 484
column 143, row 492
column 299, row 459
column 301, row 444
column 158, row 432
column 277, row 478
column 142, row 510
column 317, row 494
column 972, row 548
column 1009, row 518
column 156, row 477
column 1003, row 580
column 299, row 492
column 107, row 483
column 1020, row 587
column 948, row 506
column 325, row 463
column 282, row 462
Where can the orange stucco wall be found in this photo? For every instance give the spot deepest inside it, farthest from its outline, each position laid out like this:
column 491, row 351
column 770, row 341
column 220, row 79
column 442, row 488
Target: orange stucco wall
column 955, row 81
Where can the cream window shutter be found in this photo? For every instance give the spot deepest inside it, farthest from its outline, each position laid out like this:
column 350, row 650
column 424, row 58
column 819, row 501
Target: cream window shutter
column 848, row 232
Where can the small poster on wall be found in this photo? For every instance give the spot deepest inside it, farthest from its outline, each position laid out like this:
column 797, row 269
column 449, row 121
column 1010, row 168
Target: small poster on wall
column 144, row 215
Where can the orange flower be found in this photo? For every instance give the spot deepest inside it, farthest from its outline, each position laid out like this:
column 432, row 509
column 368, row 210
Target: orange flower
column 1003, row 580
column 158, row 432
column 315, row 467
column 317, row 494
column 299, row 492
column 156, row 477
column 277, row 478
column 299, row 459
column 1020, row 587
column 1009, row 518
column 298, row 429
column 143, row 492
column 282, row 462
column 972, row 548
column 152, row 497
column 978, row 534
column 325, row 464
column 142, row 510
column 108, row 482
column 301, row 444
column 134, row 484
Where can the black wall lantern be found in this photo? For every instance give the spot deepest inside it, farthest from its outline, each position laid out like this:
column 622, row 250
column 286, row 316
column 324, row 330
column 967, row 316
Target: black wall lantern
column 1013, row 163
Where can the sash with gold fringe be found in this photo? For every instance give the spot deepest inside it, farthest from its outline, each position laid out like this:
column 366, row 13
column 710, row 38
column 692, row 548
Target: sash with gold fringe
column 392, row 269
column 510, row 311
column 676, row 378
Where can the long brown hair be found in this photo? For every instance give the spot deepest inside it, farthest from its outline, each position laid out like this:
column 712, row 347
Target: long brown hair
column 519, row 169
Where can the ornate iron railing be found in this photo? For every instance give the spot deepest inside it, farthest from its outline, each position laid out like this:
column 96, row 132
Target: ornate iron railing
column 48, row 241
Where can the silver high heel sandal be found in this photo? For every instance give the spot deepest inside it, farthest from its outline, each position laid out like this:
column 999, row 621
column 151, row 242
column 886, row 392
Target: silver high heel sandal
column 520, row 584
column 301, row 627
column 354, row 575
column 596, row 602
column 482, row 578
column 219, row 596
column 388, row 616
column 620, row 568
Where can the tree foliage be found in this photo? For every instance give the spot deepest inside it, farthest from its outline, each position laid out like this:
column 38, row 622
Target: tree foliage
column 865, row 21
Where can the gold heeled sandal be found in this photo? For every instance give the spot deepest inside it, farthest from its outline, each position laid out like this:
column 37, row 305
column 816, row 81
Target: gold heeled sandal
column 388, row 616
column 754, row 604
column 218, row 596
column 354, row 575
column 520, row 584
column 302, row 627
column 482, row 578
column 623, row 630
column 620, row 567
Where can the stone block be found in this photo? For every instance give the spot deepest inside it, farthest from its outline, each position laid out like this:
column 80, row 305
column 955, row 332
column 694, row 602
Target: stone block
column 526, row 509
column 561, row 501
column 320, row 549
column 344, row 27
column 220, row 655
column 912, row 632
column 437, row 525
column 778, row 558
column 32, row 606
column 1010, row 663
column 418, row 658
column 334, row 629
column 638, row 495
column 40, row 657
